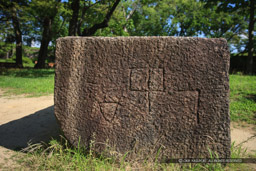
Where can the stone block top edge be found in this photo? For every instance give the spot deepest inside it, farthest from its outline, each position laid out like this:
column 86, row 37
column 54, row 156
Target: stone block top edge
column 139, row 37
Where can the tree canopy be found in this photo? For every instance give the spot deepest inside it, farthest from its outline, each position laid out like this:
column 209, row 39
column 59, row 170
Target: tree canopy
column 24, row 22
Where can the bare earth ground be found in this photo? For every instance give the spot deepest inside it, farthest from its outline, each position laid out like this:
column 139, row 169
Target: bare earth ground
column 24, row 120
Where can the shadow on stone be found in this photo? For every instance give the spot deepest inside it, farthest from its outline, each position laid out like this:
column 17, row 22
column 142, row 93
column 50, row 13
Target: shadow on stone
column 34, row 128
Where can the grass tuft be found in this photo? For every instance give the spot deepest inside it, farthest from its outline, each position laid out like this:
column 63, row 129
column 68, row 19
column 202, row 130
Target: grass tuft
column 60, row 155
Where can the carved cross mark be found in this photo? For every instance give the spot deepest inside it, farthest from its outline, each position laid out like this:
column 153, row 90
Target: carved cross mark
column 144, row 80
column 163, row 103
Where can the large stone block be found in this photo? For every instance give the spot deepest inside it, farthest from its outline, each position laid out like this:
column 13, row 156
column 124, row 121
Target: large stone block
column 145, row 93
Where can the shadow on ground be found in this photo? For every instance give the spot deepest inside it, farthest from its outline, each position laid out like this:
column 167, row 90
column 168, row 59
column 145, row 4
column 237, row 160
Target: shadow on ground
column 251, row 97
column 27, row 72
column 34, row 128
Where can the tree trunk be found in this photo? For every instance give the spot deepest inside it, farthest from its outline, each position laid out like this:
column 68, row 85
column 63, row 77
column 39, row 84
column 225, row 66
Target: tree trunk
column 249, row 66
column 75, row 5
column 18, row 37
column 44, row 43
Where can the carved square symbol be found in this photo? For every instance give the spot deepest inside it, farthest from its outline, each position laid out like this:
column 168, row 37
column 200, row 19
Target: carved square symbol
column 139, row 79
column 156, row 80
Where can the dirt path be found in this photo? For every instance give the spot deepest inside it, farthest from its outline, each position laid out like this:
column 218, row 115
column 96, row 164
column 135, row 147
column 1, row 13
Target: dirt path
column 24, row 120
column 245, row 136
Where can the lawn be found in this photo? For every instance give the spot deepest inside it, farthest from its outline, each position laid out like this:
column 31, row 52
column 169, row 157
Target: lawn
column 243, row 98
column 32, row 82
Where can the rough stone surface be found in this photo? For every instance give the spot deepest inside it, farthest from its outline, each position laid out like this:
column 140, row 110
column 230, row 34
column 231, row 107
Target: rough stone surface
column 145, row 93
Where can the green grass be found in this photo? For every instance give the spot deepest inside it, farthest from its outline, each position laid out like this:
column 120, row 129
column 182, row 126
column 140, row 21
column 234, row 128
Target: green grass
column 243, row 98
column 32, row 82
column 27, row 62
column 59, row 155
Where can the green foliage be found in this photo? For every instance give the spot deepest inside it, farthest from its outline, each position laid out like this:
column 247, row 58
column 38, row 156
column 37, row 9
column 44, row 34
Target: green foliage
column 8, row 60
column 187, row 18
column 151, row 18
column 5, row 48
column 28, row 56
column 116, row 24
column 168, row 17
column 27, row 60
column 42, row 8
column 30, row 52
column 227, row 21
column 50, row 22
column 207, row 18
column 59, row 27
column 94, row 12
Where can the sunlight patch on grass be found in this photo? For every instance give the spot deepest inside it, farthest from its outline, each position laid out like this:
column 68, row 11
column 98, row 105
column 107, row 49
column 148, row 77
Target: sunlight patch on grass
column 30, row 82
column 243, row 98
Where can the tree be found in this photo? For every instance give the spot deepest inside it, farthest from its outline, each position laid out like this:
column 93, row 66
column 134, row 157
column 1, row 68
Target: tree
column 120, row 23
column 243, row 26
column 46, row 10
column 75, row 23
column 251, row 41
column 6, row 45
column 13, row 10
column 151, row 17
column 187, row 18
column 226, row 24
column 7, row 39
column 167, row 18
column 18, row 34
column 128, row 10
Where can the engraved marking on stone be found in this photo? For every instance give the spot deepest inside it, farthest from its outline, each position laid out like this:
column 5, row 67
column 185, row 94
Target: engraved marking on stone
column 139, row 80
column 198, row 105
column 156, row 79
column 191, row 97
column 108, row 110
column 164, row 80
column 152, row 80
